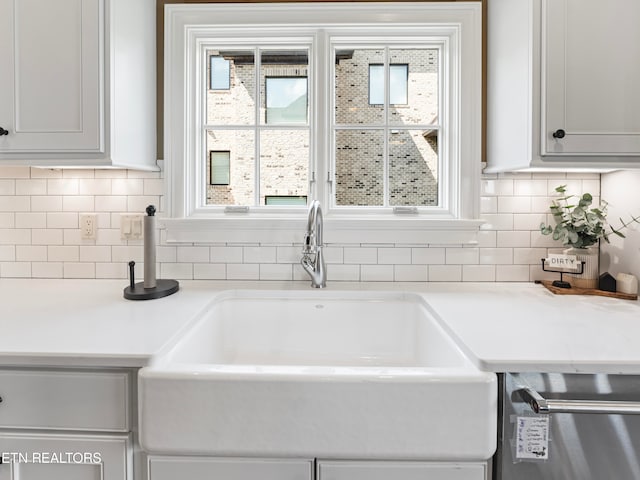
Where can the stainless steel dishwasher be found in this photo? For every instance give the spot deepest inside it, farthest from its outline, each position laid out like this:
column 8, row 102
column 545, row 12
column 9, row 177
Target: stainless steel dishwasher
column 568, row 427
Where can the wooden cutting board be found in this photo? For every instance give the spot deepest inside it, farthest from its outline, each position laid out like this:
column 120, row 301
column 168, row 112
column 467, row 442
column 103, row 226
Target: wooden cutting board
column 585, row 291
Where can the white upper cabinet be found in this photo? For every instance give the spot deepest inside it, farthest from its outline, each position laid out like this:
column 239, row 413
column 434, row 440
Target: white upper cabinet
column 77, row 83
column 563, row 79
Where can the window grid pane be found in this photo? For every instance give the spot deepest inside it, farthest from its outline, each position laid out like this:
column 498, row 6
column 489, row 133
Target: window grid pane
column 220, row 78
column 406, row 159
column 266, row 84
column 219, row 167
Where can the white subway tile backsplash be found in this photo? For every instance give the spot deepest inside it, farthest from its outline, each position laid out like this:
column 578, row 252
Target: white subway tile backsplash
column 259, row 254
column 78, row 173
column 112, row 270
column 401, row 256
column 95, row 253
column 514, row 204
column 498, row 221
column 31, row 187
column 445, row 273
column 427, row 256
column 127, row 186
column 226, row 254
column 243, row 271
column 37, row 172
column 46, row 203
column 462, row 255
column 7, row 220
column 7, row 187
column 79, row 203
column 111, row 203
column 478, row 273
column 62, row 220
column 15, row 236
column 376, row 273
column 514, row 239
column 15, row 203
column 512, row 273
column 496, row 256
column 175, row 271
column 46, row 236
column 192, row 254
column 47, row 269
column 40, row 236
column 31, row 220
column 410, row 273
column 275, row 271
column 360, row 255
column 7, row 253
column 78, row 270
column 63, row 253
column 15, row 269
column 209, row 271
column 93, row 186
column 14, row 172
column 338, row 273
column 63, row 186
column 31, row 253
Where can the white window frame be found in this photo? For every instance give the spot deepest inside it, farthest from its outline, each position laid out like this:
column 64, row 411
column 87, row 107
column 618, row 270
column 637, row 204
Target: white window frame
column 189, row 26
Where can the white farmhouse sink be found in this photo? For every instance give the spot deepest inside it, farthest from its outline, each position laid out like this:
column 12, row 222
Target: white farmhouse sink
column 317, row 374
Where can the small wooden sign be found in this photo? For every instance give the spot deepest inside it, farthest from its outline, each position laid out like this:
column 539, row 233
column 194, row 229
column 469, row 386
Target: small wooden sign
column 556, row 261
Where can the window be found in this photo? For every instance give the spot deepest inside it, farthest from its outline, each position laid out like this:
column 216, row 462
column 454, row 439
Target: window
column 376, row 116
column 398, row 78
column 286, row 100
column 219, row 163
column 219, row 73
column 285, row 200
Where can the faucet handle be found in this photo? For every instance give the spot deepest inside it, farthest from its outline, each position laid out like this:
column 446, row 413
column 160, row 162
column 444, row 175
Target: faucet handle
column 308, row 243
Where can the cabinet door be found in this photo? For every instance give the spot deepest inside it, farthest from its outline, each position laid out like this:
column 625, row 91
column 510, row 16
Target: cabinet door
column 65, row 457
column 201, row 468
column 591, row 77
column 346, row 470
column 50, row 80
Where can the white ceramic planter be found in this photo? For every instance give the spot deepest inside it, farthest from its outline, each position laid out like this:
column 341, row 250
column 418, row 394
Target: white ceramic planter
column 589, row 277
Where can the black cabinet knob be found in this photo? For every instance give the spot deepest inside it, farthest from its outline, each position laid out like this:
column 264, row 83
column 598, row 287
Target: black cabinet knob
column 3, row 131
column 559, row 133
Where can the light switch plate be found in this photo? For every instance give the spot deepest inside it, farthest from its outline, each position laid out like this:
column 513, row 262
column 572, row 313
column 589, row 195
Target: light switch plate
column 131, row 226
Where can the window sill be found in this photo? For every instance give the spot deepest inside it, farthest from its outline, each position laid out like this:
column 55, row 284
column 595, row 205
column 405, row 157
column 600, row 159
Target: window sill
column 344, row 230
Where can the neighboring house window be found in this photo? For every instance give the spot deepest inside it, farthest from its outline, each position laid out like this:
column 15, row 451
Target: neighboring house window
column 219, row 73
column 286, row 100
column 219, row 167
column 374, row 117
column 285, row 200
column 398, row 84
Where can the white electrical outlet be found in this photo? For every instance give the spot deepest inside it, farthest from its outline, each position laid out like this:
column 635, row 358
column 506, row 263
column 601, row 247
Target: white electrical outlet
column 131, row 226
column 88, row 226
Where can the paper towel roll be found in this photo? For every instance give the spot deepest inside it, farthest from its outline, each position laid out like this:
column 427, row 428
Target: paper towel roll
column 150, row 248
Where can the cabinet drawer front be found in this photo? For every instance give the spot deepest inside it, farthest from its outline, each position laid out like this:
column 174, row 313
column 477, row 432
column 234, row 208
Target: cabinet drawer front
column 56, row 400
column 374, row 470
column 197, row 468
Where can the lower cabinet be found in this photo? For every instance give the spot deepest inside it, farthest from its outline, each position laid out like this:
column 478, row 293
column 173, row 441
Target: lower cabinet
column 64, row 457
column 205, row 468
column 65, row 424
column 374, row 470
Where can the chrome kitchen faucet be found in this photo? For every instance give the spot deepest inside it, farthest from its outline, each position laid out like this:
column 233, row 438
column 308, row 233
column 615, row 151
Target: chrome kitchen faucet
column 312, row 259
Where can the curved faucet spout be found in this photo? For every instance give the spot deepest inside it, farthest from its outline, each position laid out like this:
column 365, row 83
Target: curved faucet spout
column 312, row 259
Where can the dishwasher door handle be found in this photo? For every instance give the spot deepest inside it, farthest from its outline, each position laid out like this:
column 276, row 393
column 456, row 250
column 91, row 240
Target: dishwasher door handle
column 541, row 405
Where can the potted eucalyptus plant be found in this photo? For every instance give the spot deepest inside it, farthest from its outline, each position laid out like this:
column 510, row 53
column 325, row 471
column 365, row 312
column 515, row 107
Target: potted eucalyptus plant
column 580, row 227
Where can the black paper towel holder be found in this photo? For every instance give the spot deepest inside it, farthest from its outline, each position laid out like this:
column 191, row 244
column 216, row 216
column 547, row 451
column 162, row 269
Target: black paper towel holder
column 151, row 287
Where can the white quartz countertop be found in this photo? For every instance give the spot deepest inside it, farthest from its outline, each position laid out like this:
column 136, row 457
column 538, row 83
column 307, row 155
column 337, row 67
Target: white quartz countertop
column 501, row 326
